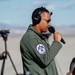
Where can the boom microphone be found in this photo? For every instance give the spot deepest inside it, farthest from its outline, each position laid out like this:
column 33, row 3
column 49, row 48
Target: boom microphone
column 52, row 30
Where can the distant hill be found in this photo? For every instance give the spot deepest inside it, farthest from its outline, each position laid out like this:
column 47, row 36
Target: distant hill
column 20, row 30
column 2, row 25
column 7, row 26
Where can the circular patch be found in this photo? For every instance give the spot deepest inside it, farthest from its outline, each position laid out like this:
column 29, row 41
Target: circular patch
column 41, row 48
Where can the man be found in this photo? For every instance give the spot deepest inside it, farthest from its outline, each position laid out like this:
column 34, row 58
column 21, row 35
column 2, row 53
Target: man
column 72, row 67
column 37, row 55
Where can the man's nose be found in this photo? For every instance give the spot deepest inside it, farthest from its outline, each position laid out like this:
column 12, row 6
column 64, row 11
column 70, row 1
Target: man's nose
column 49, row 24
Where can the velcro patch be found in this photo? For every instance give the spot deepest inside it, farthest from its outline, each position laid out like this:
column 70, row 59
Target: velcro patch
column 41, row 48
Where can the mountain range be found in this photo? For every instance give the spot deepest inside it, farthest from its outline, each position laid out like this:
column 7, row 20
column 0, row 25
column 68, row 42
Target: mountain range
column 19, row 30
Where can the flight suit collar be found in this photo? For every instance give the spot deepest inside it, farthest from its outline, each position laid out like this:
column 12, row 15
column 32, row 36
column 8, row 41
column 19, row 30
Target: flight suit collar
column 33, row 29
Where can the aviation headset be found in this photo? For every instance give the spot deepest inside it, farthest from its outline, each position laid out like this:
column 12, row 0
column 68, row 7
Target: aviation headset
column 36, row 15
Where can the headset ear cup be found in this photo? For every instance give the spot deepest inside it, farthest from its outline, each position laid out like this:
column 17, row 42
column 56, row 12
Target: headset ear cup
column 37, row 19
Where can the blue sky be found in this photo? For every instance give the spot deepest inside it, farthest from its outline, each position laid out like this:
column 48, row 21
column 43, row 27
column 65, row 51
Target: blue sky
column 18, row 12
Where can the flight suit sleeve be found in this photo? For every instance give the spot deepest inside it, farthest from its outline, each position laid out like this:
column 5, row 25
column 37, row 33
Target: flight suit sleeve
column 42, row 53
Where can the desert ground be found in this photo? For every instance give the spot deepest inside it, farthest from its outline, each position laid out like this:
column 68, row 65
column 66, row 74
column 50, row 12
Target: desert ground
column 62, row 59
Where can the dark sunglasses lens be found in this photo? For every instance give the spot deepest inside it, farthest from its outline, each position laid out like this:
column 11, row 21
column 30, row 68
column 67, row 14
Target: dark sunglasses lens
column 48, row 20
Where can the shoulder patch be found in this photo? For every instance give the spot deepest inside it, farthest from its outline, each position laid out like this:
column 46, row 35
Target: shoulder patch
column 41, row 49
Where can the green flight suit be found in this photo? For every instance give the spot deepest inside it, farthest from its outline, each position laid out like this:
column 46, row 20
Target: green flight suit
column 37, row 55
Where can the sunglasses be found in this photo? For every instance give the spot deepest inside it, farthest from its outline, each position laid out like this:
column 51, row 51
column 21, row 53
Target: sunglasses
column 47, row 20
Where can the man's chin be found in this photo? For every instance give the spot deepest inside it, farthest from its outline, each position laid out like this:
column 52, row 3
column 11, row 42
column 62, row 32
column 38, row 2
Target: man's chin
column 45, row 31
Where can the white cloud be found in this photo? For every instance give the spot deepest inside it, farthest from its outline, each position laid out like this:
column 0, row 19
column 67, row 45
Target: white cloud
column 51, row 7
column 47, row 4
column 38, row 3
column 41, row 3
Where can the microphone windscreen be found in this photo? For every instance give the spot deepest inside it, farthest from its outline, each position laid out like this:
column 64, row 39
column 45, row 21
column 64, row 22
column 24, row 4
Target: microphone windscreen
column 51, row 29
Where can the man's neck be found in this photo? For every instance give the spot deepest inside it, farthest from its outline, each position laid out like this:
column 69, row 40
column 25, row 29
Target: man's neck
column 37, row 28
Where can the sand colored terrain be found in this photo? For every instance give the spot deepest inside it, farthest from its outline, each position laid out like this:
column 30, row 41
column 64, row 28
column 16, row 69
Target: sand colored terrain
column 62, row 59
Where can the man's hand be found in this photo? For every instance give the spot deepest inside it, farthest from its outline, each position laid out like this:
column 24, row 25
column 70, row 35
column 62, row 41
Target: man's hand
column 57, row 36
